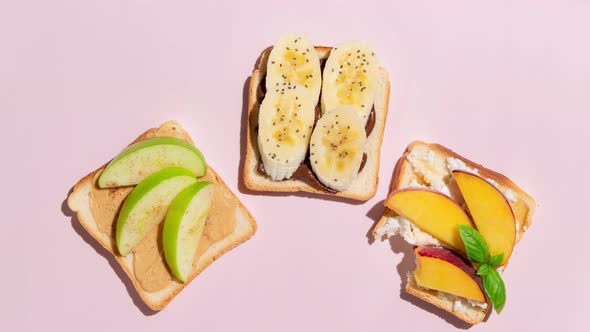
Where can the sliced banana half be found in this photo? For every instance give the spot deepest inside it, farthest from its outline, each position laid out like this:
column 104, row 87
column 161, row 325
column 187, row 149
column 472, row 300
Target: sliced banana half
column 337, row 146
column 350, row 78
column 285, row 123
column 294, row 60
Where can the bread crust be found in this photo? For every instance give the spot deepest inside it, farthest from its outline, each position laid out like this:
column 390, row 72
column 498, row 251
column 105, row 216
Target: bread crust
column 402, row 176
column 366, row 185
column 472, row 316
column 79, row 202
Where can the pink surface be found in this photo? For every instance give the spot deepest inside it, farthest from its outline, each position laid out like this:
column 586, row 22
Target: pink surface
column 506, row 83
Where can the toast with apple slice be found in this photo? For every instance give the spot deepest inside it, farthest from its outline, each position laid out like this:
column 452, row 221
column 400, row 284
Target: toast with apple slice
column 97, row 211
column 427, row 168
column 308, row 178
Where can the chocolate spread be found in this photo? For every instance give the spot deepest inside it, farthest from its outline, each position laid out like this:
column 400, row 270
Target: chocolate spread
column 370, row 122
column 304, row 173
column 363, row 162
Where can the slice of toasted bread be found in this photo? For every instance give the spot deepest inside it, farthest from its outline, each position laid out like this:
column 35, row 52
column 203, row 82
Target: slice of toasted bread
column 426, row 165
column 365, row 184
column 79, row 202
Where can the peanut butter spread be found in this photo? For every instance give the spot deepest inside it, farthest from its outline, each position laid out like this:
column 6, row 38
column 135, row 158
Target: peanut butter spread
column 221, row 221
column 105, row 205
column 149, row 265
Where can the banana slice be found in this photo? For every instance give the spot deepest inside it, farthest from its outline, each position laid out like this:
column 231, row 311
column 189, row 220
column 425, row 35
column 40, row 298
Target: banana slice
column 285, row 122
column 294, row 60
column 350, row 78
column 337, row 147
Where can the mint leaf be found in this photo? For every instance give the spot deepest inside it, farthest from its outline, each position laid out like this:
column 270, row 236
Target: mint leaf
column 494, row 287
column 475, row 245
column 496, row 260
column 483, row 270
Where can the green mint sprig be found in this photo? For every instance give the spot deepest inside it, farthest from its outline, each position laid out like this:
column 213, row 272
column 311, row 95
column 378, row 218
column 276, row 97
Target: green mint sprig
column 478, row 252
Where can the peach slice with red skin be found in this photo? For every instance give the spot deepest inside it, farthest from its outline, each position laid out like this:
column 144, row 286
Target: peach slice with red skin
column 433, row 212
column 491, row 213
column 440, row 269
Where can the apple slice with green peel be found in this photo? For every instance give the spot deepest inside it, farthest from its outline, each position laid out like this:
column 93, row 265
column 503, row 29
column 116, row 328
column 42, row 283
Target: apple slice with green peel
column 440, row 269
column 143, row 158
column 184, row 226
column 490, row 211
column 147, row 205
column 433, row 212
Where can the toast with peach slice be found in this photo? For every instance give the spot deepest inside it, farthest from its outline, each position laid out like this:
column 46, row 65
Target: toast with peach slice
column 425, row 167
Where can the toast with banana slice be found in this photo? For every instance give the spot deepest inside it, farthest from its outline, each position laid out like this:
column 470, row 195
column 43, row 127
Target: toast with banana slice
column 97, row 209
column 316, row 118
column 432, row 168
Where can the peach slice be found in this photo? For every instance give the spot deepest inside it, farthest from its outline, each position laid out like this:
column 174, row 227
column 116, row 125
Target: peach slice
column 440, row 269
column 433, row 212
column 490, row 211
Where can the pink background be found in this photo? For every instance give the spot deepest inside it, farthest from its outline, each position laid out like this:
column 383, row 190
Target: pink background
column 506, row 83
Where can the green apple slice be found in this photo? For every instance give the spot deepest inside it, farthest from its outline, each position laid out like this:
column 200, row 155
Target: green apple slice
column 147, row 204
column 184, row 226
column 143, row 158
